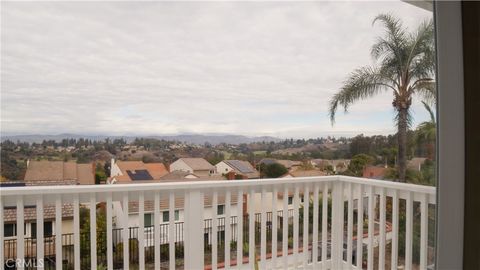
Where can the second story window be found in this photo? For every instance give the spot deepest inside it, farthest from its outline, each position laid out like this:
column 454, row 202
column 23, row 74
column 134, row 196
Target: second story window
column 9, row 230
column 220, row 209
column 148, row 220
column 166, row 216
column 290, row 200
column 47, row 229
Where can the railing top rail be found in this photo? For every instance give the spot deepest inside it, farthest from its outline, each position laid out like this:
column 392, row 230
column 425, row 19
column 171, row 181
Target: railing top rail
column 168, row 186
column 207, row 185
column 389, row 184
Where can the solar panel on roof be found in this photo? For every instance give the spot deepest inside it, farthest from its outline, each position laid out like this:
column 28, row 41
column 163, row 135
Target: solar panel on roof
column 241, row 166
column 137, row 175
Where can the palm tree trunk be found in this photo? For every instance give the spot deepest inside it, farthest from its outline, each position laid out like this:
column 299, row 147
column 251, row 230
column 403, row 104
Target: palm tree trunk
column 402, row 143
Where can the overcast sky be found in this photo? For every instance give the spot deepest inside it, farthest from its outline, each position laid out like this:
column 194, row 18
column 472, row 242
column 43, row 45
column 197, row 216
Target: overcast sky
column 168, row 68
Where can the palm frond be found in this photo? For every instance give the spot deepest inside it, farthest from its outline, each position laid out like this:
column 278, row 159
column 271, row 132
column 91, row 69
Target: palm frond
column 363, row 83
column 394, row 41
column 426, row 89
column 421, row 58
column 430, row 111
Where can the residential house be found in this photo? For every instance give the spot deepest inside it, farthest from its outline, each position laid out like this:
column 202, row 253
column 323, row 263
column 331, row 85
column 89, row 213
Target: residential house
column 133, row 209
column 241, row 169
column 44, row 173
column 416, row 163
column 375, row 172
column 197, row 166
column 304, row 173
column 337, row 165
column 59, row 173
column 289, row 164
column 125, row 172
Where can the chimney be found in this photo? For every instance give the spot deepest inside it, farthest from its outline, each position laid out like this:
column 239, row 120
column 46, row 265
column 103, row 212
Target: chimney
column 28, row 162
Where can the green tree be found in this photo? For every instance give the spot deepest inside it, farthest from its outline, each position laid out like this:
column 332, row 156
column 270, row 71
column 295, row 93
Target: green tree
column 358, row 164
column 405, row 65
column 100, row 175
column 85, row 233
column 273, row 170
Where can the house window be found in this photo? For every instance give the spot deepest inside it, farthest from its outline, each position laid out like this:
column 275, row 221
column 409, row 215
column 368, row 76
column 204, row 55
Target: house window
column 47, row 229
column 290, row 200
column 166, row 215
column 220, row 209
column 10, row 230
column 148, row 220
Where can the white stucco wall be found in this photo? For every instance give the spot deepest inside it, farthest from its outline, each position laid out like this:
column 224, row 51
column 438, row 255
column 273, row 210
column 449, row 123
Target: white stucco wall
column 114, row 169
column 268, row 204
column 222, row 168
column 180, row 165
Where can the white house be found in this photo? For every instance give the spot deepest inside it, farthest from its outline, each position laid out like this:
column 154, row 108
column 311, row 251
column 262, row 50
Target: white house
column 197, row 166
column 149, row 218
column 240, row 167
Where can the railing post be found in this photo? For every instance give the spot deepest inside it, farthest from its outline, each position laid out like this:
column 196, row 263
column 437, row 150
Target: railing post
column 194, row 252
column 337, row 225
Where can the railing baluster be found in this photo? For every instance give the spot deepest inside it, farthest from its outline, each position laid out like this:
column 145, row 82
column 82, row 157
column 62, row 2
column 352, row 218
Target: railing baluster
column 423, row 232
column 141, row 230
column 324, row 224
column 394, row 260
column 285, row 228
column 214, row 230
column 296, row 206
column 315, row 227
column 381, row 256
column 171, row 230
column 240, row 228
column 359, row 252
column 157, row 230
column 251, row 229
column 58, row 232
column 306, row 220
column 274, row 226
column 263, row 230
column 76, row 232
column 40, row 220
column 109, row 231
column 350, row 225
column 337, row 225
column 126, row 236
column 2, row 233
column 409, row 232
column 371, row 227
column 93, row 231
column 20, row 230
column 228, row 202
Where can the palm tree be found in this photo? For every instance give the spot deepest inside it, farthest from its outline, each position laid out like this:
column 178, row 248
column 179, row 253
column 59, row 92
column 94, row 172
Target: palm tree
column 426, row 132
column 405, row 65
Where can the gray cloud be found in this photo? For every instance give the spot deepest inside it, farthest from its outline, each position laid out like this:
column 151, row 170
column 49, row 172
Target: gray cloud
column 150, row 68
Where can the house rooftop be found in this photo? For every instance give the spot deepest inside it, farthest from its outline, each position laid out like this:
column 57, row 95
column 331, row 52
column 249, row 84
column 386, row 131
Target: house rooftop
column 59, row 173
column 198, row 164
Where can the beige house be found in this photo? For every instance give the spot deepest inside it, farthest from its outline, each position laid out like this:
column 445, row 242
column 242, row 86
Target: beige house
column 197, row 166
column 59, row 173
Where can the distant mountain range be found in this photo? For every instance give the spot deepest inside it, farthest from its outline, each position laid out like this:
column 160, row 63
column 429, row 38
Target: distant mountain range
column 188, row 138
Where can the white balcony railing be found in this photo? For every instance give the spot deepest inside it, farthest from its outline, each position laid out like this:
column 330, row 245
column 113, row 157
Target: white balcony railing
column 333, row 237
